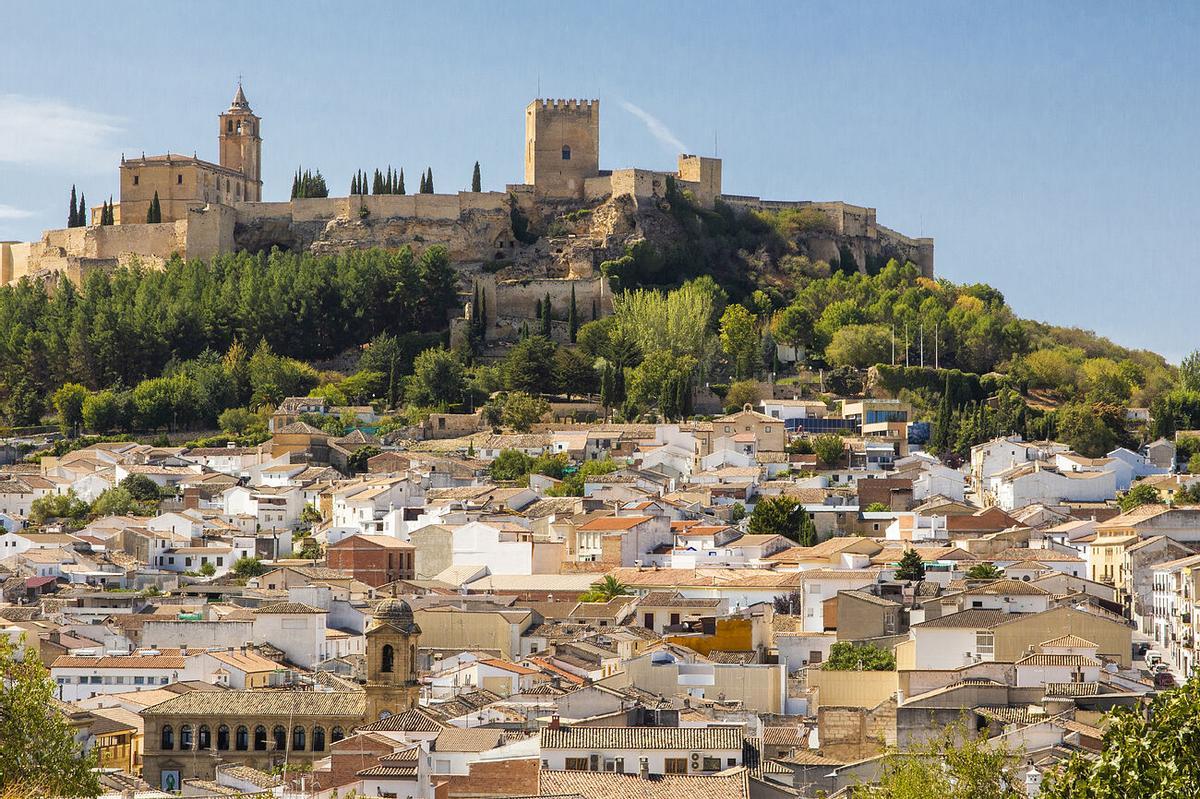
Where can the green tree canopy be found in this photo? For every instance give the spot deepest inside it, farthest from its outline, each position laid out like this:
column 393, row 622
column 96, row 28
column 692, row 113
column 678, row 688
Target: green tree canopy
column 783, row 516
column 846, row 656
column 39, row 756
column 1150, row 753
column 1139, row 494
column 438, row 378
column 911, row 567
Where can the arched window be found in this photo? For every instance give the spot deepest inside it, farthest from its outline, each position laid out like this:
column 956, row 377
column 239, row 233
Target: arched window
column 318, row 739
column 260, row 738
column 203, row 737
column 222, row 738
column 168, row 737
column 566, row 152
column 336, row 735
column 241, row 739
column 298, row 738
column 388, row 658
column 280, row 736
column 185, row 736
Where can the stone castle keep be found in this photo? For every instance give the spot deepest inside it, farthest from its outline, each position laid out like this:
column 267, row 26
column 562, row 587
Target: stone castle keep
column 213, row 208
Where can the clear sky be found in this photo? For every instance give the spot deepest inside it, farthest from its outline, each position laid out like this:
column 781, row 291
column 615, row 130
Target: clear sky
column 1048, row 148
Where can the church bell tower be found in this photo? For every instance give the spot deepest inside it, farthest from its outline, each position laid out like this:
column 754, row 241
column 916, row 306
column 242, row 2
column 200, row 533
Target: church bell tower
column 392, row 683
column 241, row 145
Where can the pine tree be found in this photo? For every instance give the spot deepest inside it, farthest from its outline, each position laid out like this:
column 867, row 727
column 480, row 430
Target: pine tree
column 940, row 439
column 401, row 181
column 547, row 317
column 476, row 182
column 910, row 567
column 72, row 215
column 572, row 317
column 81, row 219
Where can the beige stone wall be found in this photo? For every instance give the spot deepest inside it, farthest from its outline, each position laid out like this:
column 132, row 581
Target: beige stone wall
column 855, row 733
column 551, row 126
column 181, row 184
column 704, row 175
column 852, row 688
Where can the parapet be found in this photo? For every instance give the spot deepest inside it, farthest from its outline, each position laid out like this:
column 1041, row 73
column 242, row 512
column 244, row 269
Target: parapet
column 566, row 105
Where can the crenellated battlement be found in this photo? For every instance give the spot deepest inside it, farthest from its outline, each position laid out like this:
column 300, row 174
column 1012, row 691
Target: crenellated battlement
column 570, row 104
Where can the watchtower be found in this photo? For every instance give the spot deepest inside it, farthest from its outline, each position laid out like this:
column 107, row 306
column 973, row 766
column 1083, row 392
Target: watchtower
column 392, row 684
column 562, row 145
column 241, row 145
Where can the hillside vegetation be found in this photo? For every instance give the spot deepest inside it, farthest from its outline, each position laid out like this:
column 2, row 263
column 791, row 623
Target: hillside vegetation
column 708, row 297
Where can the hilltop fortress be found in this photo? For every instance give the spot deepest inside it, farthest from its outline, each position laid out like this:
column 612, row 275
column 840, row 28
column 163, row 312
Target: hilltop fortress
column 212, row 208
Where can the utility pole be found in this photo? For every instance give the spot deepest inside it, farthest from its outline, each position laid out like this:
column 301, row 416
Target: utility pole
column 893, row 344
column 922, row 329
column 906, row 344
column 935, row 345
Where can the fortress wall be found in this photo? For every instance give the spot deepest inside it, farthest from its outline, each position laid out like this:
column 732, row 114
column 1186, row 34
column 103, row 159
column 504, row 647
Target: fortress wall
column 318, row 209
column 113, row 241
column 519, row 298
column 248, row 211
column 209, row 232
column 596, row 189
column 482, row 201
column 383, row 205
column 436, row 206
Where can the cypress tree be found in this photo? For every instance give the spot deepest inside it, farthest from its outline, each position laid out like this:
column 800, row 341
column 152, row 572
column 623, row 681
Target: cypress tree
column 401, row 181
column 547, row 317
column 429, row 181
column 476, row 183
column 353, row 184
column 377, row 183
column 537, row 309
column 154, row 213
column 72, row 215
column 572, row 317
column 81, row 219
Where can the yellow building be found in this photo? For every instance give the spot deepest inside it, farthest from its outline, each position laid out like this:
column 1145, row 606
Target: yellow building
column 1106, row 558
column 184, row 182
column 117, row 736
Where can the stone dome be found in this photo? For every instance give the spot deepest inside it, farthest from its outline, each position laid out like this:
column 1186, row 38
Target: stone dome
column 395, row 612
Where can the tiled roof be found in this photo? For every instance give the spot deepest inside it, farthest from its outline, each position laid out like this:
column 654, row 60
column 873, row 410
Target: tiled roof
column 341, row 704
column 615, row 523
column 1039, row 659
column 414, row 720
column 119, row 662
column 1070, row 640
column 1019, row 554
column 1011, row 715
column 609, row 785
column 479, row 739
column 976, row 618
column 1008, row 588
column 275, row 608
column 1070, row 689
column 689, row 738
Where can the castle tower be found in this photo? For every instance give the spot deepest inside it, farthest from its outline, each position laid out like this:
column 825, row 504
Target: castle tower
column 562, row 146
column 240, row 144
column 392, row 685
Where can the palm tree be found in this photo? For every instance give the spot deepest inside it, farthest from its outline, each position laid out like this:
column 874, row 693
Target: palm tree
column 984, row 571
column 605, row 590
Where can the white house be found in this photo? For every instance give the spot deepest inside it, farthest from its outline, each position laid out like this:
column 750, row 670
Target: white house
column 660, row 750
column 1031, row 484
column 81, row 676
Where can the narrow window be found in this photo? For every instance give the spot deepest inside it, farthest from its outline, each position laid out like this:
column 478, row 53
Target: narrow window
column 318, row 739
column 204, row 737
column 168, row 737
column 260, row 738
column 566, row 152
column 388, row 658
column 179, row 180
column 223, row 738
column 241, row 739
column 280, row 736
column 185, row 736
column 135, row 180
column 298, row 739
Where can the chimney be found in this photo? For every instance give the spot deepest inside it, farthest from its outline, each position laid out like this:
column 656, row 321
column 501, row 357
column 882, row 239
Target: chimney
column 644, row 767
column 183, row 650
column 554, row 722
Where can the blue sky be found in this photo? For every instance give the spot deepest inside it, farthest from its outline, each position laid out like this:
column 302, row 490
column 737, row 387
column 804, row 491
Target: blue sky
column 1049, row 150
